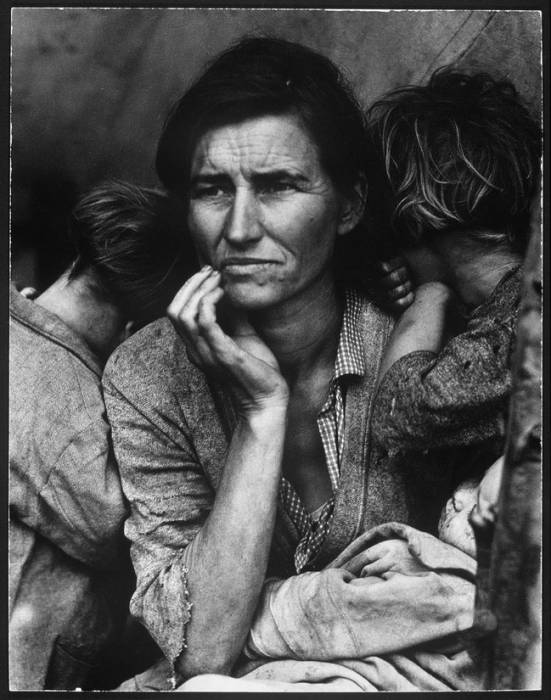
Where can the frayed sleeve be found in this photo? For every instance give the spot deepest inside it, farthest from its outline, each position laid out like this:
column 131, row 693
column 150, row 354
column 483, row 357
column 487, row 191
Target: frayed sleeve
column 169, row 499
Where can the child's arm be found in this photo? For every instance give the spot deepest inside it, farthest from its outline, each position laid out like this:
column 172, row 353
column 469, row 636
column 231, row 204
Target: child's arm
column 440, row 393
column 422, row 326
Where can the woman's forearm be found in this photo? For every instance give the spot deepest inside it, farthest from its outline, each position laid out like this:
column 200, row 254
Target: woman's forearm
column 228, row 559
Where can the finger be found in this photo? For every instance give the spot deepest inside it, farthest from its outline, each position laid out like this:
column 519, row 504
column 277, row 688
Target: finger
column 206, row 309
column 188, row 289
column 188, row 303
column 376, row 568
column 491, row 482
column 481, row 518
column 395, row 278
column 223, row 348
column 358, row 562
column 402, row 304
column 391, row 264
column 211, row 283
column 185, row 316
column 398, row 292
column 198, row 347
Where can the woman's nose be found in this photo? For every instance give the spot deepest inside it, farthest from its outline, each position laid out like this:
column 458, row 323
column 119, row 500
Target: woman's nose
column 242, row 225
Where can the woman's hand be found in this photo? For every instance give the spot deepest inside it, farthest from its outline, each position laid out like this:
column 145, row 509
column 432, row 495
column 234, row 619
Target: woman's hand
column 384, row 559
column 241, row 360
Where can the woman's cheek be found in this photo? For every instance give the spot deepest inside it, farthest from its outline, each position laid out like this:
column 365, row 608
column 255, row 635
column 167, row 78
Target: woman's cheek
column 202, row 230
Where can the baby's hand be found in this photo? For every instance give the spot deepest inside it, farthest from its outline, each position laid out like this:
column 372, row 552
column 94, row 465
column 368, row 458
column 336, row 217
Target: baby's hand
column 391, row 285
column 485, row 511
column 390, row 557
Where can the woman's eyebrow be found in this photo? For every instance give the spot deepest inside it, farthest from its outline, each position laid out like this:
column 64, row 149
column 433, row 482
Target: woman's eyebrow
column 276, row 175
column 208, row 178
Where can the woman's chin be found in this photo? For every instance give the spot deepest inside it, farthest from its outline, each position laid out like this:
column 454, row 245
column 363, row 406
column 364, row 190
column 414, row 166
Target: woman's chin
column 251, row 297
column 249, row 302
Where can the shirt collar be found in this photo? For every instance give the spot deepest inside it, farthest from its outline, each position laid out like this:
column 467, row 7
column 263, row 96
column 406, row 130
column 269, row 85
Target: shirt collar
column 49, row 325
column 350, row 354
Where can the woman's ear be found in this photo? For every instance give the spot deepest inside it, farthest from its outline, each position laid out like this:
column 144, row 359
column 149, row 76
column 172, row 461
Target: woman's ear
column 352, row 208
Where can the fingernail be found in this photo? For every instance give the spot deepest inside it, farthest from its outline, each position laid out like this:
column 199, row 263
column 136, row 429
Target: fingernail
column 206, row 268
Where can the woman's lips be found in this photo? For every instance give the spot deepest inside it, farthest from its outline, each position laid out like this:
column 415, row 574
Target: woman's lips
column 245, row 266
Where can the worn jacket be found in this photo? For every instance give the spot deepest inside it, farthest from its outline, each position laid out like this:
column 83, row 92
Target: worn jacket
column 171, row 429
column 67, row 509
column 459, row 396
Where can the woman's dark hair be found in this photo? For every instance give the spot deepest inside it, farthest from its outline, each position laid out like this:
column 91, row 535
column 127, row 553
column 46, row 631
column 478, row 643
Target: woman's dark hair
column 461, row 153
column 259, row 76
column 131, row 239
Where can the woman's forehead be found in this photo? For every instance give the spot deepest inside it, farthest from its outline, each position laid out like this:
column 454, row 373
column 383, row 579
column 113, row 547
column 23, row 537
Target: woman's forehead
column 259, row 144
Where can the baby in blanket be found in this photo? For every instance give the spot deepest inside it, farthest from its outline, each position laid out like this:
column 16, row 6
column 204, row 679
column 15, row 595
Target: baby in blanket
column 387, row 614
column 391, row 608
column 472, row 500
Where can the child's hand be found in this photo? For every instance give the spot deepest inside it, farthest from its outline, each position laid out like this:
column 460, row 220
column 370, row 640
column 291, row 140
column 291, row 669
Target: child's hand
column 391, row 284
column 485, row 511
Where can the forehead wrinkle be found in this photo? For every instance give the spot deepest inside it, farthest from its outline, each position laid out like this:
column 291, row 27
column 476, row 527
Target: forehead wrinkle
column 252, row 150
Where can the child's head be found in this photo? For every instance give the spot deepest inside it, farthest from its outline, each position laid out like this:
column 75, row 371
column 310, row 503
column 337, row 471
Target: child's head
column 129, row 246
column 454, row 527
column 460, row 154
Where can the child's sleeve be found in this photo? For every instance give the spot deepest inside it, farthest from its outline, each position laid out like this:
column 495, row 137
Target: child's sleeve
column 454, row 398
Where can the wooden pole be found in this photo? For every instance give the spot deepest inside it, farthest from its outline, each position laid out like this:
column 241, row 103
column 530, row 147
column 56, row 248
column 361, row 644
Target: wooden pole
column 509, row 576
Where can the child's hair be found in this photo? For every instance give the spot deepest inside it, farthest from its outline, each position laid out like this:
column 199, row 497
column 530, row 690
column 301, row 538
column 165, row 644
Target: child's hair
column 131, row 239
column 461, row 153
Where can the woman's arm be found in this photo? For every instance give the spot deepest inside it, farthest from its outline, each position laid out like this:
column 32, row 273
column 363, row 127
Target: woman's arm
column 229, row 556
column 221, row 572
column 333, row 614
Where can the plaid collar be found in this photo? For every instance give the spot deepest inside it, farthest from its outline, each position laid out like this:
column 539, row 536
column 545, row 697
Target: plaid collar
column 350, row 356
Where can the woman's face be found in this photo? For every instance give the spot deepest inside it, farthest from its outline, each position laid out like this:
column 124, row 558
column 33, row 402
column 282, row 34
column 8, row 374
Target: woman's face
column 263, row 211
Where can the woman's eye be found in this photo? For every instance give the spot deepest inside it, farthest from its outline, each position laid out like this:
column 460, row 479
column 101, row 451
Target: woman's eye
column 277, row 187
column 209, row 191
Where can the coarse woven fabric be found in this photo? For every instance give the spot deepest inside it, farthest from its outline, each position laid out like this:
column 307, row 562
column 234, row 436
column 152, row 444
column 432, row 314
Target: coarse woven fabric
column 397, row 631
column 336, row 631
column 66, row 506
column 459, row 396
column 171, row 430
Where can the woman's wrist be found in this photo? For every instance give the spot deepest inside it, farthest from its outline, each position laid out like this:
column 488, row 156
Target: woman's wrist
column 266, row 415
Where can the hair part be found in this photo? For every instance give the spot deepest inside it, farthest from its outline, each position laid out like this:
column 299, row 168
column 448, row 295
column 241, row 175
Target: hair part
column 129, row 241
column 460, row 153
column 265, row 75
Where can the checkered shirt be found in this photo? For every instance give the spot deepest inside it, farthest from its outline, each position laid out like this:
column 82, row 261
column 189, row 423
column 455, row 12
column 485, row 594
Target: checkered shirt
column 313, row 530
